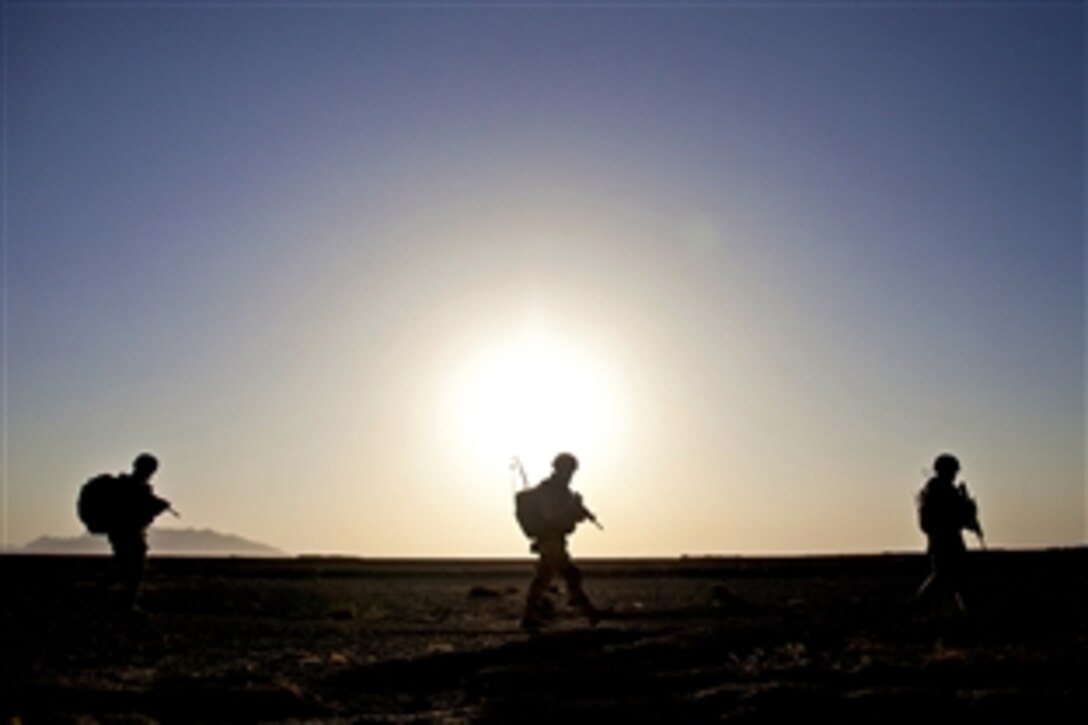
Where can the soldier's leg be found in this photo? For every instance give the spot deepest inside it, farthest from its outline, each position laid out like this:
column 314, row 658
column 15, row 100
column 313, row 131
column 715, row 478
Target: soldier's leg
column 572, row 575
column 542, row 578
column 957, row 570
column 947, row 576
column 931, row 592
column 923, row 590
column 130, row 553
column 578, row 597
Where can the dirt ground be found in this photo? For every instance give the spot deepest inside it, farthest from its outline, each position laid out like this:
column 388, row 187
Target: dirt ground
column 690, row 640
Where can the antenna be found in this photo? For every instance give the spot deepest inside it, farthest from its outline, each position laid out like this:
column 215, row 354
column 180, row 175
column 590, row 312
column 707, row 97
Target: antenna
column 515, row 465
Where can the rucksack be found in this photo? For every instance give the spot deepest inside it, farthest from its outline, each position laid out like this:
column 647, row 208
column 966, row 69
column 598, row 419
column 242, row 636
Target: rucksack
column 528, row 509
column 98, row 503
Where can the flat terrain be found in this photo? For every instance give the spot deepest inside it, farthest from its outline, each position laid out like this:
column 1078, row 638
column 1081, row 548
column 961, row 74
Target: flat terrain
column 692, row 640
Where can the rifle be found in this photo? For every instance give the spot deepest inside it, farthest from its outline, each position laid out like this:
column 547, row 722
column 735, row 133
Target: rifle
column 587, row 513
column 972, row 523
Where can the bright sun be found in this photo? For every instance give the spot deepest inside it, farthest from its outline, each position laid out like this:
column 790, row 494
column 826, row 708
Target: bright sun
column 534, row 397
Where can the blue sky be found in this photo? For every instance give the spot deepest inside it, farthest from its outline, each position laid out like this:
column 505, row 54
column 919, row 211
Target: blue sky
column 757, row 266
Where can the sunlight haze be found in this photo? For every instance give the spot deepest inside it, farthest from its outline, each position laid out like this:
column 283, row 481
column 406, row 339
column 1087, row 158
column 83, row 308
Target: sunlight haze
column 756, row 267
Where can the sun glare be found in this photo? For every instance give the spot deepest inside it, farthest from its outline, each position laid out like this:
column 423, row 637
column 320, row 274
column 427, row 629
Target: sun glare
column 533, row 398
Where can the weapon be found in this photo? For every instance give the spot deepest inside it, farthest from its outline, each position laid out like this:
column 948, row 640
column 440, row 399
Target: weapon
column 592, row 518
column 587, row 513
column 971, row 522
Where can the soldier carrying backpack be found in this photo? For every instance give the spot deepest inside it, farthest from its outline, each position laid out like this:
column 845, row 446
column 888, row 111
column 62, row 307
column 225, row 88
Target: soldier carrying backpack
column 122, row 507
column 945, row 509
column 548, row 513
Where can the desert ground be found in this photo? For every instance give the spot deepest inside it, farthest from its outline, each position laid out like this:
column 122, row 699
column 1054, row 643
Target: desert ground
column 687, row 640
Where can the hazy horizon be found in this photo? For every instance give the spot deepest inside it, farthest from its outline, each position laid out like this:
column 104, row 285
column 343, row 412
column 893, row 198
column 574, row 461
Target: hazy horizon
column 77, row 545
column 755, row 266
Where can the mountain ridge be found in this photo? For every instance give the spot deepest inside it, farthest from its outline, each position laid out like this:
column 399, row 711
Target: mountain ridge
column 207, row 542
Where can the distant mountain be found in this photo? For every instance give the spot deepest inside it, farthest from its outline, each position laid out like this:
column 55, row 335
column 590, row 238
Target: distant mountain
column 195, row 542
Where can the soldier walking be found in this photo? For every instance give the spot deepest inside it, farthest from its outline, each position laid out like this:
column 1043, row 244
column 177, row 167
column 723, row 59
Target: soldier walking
column 122, row 507
column 945, row 509
column 548, row 513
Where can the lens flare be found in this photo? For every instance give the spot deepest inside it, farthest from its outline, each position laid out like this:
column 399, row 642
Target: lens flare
column 534, row 398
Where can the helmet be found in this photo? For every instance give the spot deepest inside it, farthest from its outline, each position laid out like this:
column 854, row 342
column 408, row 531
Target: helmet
column 946, row 464
column 145, row 464
column 565, row 463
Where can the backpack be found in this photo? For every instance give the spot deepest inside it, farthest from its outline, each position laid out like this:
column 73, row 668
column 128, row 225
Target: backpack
column 98, row 501
column 528, row 510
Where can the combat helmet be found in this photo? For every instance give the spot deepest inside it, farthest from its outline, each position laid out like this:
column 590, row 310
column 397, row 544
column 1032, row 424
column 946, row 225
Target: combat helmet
column 145, row 465
column 946, row 464
column 565, row 463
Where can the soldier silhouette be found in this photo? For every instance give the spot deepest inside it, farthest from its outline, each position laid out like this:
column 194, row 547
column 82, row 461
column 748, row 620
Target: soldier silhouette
column 548, row 513
column 945, row 509
column 122, row 507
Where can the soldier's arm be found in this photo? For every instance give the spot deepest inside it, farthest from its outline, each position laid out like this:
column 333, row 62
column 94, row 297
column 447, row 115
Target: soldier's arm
column 584, row 513
column 970, row 511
